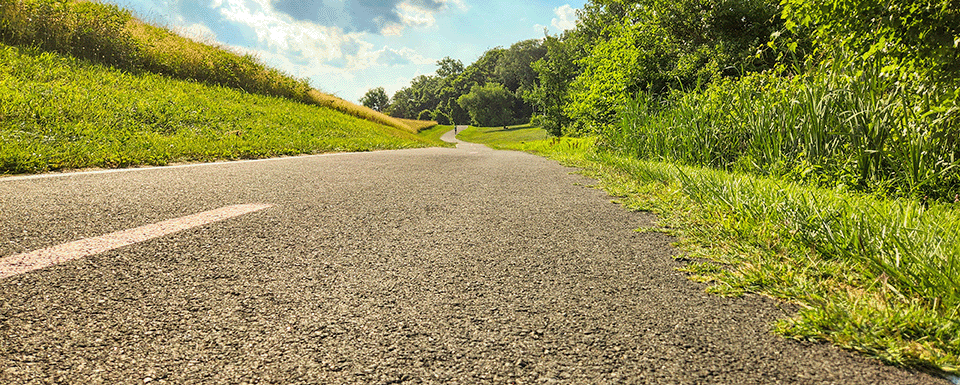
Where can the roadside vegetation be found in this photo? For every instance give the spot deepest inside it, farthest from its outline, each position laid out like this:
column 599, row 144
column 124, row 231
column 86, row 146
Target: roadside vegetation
column 503, row 137
column 862, row 269
column 85, row 84
column 806, row 150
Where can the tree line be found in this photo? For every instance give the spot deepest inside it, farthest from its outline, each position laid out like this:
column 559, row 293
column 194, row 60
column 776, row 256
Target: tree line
column 578, row 81
column 493, row 91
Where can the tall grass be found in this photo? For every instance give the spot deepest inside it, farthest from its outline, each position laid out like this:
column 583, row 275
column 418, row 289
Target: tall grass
column 876, row 272
column 879, row 276
column 109, row 35
column 847, row 125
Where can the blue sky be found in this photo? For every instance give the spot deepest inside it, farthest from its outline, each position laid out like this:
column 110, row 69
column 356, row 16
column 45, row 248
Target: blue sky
column 346, row 47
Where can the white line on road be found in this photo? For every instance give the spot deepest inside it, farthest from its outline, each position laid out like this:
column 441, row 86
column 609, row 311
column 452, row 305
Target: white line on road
column 26, row 262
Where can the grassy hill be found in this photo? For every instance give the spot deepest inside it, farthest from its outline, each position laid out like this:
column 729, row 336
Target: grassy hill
column 84, row 84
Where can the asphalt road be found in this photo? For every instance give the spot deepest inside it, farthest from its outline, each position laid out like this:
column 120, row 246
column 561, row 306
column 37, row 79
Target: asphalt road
column 462, row 265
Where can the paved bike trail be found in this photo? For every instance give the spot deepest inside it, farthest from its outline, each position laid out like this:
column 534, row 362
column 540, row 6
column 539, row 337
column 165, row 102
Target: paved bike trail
column 459, row 265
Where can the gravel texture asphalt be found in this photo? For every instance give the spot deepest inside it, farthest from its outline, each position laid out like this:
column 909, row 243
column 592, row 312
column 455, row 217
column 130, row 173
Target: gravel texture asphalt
column 457, row 266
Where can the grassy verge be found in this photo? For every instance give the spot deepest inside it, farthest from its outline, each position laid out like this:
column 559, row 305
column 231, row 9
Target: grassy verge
column 59, row 112
column 434, row 133
column 877, row 276
column 498, row 138
column 848, row 127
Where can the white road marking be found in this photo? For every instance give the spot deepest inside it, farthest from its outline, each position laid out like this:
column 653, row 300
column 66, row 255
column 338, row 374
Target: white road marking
column 26, row 262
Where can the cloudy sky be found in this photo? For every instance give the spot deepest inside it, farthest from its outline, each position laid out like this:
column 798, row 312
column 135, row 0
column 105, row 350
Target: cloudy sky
column 346, row 47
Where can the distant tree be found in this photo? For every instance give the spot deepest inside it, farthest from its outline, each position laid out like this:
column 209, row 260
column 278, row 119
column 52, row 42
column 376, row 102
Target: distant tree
column 401, row 105
column 489, row 105
column 514, row 71
column 425, row 115
column 449, row 67
column 376, row 99
column 555, row 72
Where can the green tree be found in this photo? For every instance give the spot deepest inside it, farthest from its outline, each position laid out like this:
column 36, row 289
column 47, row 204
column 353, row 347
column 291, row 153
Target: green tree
column 449, row 67
column 621, row 48
column 514, row 71
column 376, row 99
column 917, row 35
column 488, row 105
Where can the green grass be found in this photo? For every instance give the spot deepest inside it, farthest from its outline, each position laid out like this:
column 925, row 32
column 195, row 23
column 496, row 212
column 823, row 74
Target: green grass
column 846, row 125
column 498, row 138
column 59, row 112
column 109, row 35
column 878, row 276
column 434, row 133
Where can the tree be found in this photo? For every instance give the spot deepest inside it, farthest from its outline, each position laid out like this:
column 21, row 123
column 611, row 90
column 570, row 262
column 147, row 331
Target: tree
column 623, row 47
column 514, row 71
column 555, row 71
column 917, row 35
column 489, row 105
column 449, row 67
column 376, row 99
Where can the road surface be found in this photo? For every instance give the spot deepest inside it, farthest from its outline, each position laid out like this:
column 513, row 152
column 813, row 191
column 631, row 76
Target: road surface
column 462, row 265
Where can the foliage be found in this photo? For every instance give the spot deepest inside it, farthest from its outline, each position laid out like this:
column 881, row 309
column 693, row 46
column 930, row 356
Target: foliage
column 664, row 45
column 439, row 93
column 514, row 71
column 376, row 99
column 488, row 105
column 555, row 71
column 49, row 120
column 918, row 35
column 425, row 115
column 865, row 132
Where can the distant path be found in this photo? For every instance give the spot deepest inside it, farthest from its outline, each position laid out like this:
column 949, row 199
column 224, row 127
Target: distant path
column 462, row 265
column 451, row 136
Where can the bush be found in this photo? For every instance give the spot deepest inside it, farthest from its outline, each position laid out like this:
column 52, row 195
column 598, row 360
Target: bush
column 489, row 105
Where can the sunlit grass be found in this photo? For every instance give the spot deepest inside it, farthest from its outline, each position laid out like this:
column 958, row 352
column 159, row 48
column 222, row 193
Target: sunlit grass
column 500, row 138
column 434, row 133
column 847, row 127
column 58, row 112
column 109, row 35
column 419, row 125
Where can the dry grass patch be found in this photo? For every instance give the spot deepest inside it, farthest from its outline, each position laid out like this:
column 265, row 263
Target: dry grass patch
column 419, row 125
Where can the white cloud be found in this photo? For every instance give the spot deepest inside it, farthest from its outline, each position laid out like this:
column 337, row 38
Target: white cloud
column 303, row 40
column 399, row 57
column 566, row 18
column 413, row 15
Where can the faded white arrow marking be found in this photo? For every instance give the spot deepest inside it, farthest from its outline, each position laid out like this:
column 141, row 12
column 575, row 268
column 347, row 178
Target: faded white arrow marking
column 38, row 259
